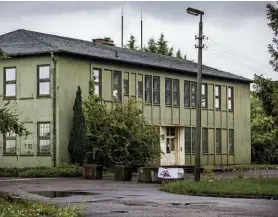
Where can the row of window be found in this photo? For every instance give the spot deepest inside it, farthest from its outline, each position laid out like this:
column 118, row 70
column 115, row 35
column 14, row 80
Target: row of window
column 190, row 140
column 43, row 81
column 43, row 132
column 172, row 90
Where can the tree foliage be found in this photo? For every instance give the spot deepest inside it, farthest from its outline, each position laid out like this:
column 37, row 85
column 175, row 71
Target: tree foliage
column 178, row 54
column 119, row 135
column 77, row 142
column 9, row 119
column 263, row 134
column 272, row 16
column 131, row 44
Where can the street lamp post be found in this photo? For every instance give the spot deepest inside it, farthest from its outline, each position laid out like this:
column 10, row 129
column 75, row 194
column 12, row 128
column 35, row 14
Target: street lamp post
column 197, row 12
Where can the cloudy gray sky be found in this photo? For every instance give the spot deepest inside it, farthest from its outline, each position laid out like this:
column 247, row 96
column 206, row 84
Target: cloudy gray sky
column 238, row 32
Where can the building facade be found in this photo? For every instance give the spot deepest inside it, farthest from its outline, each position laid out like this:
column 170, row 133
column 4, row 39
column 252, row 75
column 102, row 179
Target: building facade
column 41, row 85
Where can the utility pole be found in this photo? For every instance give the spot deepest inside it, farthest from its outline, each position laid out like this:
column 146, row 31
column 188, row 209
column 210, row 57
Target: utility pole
column 197, row 12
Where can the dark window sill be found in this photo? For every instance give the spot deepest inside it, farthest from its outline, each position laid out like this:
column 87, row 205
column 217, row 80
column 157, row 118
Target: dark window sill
column 44, row 155
column 25, row 98
column 148, row 103
column 168, row 105
column 9, row 98
column 44, row 97
column 9, row 155
column 156, row 104
column 26, row 155
column 176, row 106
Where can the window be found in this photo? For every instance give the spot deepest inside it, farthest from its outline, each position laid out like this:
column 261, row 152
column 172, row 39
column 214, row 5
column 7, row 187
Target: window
column 187, row 140
column 97, row 81
column 193, row 139
column 148, row 89
column 218, row 141
column 231, row 141
column 117, row 86
column 44, row 80
column 231, row 98
column 44, row 138
column 205, row 140
column 176, row 92
column 140, row 89
column 170, row 139
column 187, row 93
column 10, row 82
column 168, row 91
column 126, row 87
column 204, row 96
column 10, row 143
column 217, row 90
column 156, row 90
column 193, row 94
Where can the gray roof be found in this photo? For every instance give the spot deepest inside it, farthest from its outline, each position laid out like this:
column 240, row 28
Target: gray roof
column 25, row 42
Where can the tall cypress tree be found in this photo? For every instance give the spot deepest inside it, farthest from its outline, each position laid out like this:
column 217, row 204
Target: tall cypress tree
column 77, row 143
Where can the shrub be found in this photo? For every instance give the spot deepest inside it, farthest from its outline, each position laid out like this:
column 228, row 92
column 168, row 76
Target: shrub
column 119, row 135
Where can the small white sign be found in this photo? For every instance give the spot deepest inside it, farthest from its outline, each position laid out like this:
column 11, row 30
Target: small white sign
column 170, row 173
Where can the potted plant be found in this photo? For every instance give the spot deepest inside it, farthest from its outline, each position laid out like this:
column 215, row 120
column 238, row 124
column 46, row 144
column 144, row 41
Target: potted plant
column 91, row 170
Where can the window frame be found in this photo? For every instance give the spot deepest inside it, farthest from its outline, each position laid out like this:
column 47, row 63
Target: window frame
column 233, row 141
column 99, row 82
column 117, row 87
column 217, row 97
column 204, row 96
column 176, row 93
column 43, row 80
column 126, row 87
column 169, row 92
column 193, row 140
column 187, row 95
column 170, row 136
column 5, row 83
column 39, row 138
column 220, row 141
column 148, row 90
column 9, row 138
column 231, row 98
column 156, row 90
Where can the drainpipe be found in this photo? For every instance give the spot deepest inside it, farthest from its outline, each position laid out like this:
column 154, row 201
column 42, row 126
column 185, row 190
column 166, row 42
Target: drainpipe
column 54, row 142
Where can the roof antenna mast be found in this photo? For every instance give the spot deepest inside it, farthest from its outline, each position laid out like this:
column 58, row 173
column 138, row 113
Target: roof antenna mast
column 122, row 29
column 141, row 29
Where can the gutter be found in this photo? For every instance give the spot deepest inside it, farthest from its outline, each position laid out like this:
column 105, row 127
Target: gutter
column 54, row 140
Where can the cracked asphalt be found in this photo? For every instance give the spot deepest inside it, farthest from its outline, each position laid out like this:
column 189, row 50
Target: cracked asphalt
column 116, row 199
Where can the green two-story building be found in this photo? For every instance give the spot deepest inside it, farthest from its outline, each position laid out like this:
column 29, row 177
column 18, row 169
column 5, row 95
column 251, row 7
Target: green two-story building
column 40, row 80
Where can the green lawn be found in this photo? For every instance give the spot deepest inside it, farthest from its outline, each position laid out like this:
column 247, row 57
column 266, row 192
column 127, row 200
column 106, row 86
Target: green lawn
column 34, row 209
column 231, row 187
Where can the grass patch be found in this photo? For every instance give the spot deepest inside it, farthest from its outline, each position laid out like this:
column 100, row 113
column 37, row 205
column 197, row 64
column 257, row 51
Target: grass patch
column 34, row 209
column 247, row 167
column 232, row 187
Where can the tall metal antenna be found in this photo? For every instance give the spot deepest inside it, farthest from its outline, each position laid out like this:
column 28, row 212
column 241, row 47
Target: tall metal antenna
column 122, row 30
column 141, row 29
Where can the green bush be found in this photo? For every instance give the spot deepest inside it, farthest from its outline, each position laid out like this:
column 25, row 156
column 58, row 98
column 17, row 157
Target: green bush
column 62, row 171
column 120, row 135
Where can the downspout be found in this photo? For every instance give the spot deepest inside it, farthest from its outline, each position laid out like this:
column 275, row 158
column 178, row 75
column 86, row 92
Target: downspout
column 54, row 141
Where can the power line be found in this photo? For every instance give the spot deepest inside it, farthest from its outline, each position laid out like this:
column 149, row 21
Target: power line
column 218, row 54
column 231, row 51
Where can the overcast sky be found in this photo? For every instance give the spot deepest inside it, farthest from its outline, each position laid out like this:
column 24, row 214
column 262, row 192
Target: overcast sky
column 238, row 32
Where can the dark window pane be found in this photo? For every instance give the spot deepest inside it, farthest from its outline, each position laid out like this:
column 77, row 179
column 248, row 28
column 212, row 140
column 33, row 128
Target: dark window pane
column 117, row 86
column 96, row 74
column 176, row 99
column 148, row 82
column 186, row 93
column 231, row 141
column 148, row 96
column 126, row 87
column 156, row 83
column 10, row 146
column 193, row 140
column 173, row 144
column 193, row 94
column 218, row 141
column 44, row 146
column 204, row 95
column 205, row 140
column 168, row 84
column 176, row 86
column 168, row 100
column 187, row 140
column 140, row 89
column 44, row 129
column 168, row 148
column 156, row 97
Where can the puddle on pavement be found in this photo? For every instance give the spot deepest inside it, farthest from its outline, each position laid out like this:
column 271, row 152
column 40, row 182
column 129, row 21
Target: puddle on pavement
column 120, row 211
column 57, row 194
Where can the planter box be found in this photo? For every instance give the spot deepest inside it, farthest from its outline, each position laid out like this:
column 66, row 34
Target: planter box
column 92, row 171
column 122, row 173
column 148, row 174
